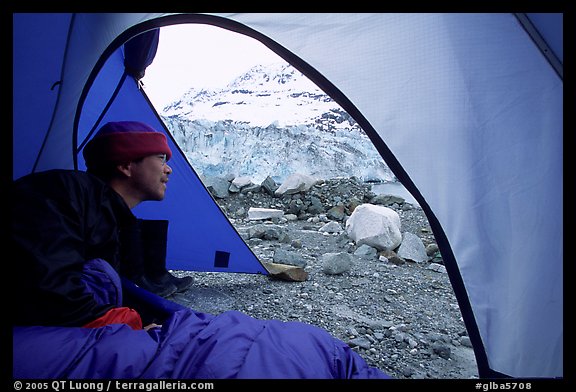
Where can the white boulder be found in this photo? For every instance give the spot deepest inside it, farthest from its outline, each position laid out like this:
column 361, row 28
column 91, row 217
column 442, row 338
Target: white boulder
column 375, row 225
column 295, row 183
column 255, row 213
column 241, row 182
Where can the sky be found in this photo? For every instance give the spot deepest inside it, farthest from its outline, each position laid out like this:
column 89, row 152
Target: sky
column 199, row 56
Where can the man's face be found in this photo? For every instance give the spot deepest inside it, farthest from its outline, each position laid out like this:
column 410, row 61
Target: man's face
column 150, row 177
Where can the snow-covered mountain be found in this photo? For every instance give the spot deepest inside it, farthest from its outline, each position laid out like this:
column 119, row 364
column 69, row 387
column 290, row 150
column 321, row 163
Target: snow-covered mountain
column 273, row 121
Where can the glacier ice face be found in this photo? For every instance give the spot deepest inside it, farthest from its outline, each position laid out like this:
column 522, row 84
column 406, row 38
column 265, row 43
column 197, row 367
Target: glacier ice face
column 271, row 121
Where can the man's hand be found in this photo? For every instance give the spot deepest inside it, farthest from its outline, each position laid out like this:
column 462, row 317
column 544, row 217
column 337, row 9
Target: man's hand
column 150, row 326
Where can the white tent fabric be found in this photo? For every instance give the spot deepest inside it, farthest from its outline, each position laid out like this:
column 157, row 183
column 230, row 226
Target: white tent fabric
column 473, row 112
column 469, row 110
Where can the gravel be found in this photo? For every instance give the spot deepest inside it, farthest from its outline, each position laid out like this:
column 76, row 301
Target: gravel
column 403, row 319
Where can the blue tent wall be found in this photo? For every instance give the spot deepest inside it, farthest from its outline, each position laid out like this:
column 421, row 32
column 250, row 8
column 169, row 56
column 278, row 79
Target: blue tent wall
column 38, row 60
column 464, row 108
column 200, row 237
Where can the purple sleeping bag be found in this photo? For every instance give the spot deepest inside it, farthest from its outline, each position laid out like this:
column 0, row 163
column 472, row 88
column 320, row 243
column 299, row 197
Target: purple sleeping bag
column 189, row 345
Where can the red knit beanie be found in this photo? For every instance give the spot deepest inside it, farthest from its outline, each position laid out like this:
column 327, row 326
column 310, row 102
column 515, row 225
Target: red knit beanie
column 124, row 141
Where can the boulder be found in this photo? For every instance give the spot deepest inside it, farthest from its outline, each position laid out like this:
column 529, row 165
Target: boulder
column 331, row 227
column 375, row 225
column 255, row 213
column 336, row 263
column 217, row 186
column 295, row 183
column 290, row 273
column 283, row 256
column 412, row 248
column 241, row 182
column 269, row 185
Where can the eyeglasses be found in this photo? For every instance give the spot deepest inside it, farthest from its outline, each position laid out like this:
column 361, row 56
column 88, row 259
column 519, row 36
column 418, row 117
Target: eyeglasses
column 163, row 157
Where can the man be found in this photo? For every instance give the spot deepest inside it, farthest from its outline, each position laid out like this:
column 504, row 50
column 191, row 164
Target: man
column 131, row 157
column 63, row 218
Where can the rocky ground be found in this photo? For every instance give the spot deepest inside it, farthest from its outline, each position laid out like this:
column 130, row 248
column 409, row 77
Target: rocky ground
column 403, row 319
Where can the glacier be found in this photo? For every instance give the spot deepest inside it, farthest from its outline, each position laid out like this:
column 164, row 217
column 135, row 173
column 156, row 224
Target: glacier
column 271, row 121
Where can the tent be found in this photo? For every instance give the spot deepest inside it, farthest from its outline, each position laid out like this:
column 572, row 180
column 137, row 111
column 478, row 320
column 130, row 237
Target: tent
column 466, row 109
